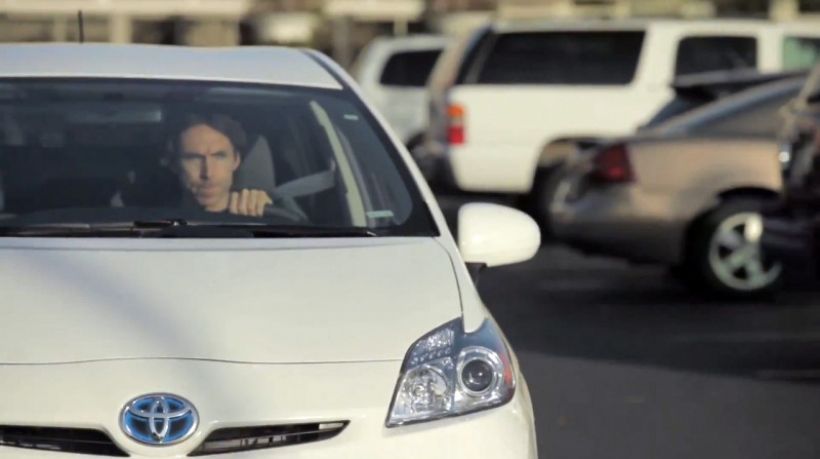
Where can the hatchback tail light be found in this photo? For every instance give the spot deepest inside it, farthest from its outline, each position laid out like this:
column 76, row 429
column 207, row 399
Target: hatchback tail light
column 612, row 165
column 455, row 124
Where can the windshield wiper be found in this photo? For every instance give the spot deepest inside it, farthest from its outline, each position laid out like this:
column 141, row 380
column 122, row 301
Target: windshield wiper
column 137, row 228
column 260, row 229
column 158, row 223
column 78, row 230
column 303, row 231
column 180, row 228
column 89, row 229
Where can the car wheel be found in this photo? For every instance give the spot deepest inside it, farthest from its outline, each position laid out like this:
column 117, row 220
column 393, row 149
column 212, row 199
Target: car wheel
column 727, row 253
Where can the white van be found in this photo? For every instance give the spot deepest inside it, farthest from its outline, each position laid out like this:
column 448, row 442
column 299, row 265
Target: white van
column 501, row 98
column 393, row 73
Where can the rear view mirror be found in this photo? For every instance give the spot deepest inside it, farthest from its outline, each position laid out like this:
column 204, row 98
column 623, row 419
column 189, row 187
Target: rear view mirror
column 496, row 235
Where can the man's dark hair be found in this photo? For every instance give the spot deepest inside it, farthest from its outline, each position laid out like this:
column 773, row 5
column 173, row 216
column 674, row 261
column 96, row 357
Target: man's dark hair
column 224, row 124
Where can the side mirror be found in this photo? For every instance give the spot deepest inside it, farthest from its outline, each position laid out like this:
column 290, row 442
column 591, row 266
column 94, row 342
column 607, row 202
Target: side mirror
column 495, row 235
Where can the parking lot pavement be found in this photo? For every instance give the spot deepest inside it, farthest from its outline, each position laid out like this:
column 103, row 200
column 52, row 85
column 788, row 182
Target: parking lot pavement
column 623, row 362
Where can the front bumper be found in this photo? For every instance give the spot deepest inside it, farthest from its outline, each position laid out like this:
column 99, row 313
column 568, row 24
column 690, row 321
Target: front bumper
column 91, row 395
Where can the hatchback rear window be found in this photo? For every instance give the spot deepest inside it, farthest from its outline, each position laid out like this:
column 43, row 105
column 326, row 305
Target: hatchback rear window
column 562, row 58
column 710, row 53
column 411, row 68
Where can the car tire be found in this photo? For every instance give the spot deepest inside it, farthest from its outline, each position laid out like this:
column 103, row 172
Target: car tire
column 725, row 255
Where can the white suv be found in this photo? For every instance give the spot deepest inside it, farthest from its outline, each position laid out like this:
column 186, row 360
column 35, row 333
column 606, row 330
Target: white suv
column 502, row 97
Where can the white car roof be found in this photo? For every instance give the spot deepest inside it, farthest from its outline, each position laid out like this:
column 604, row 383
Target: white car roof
column 268, row 65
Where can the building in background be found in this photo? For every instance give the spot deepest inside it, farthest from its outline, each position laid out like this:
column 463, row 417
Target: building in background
column 338, row 27
column 194, row 22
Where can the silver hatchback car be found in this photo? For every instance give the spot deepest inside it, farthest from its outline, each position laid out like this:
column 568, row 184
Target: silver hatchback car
column 686, row 194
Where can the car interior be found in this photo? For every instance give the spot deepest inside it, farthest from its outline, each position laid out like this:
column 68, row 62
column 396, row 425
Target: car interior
column 54, row 157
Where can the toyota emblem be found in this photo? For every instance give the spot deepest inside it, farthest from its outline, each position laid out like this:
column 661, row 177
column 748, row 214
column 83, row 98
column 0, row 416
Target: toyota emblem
column 159, row 419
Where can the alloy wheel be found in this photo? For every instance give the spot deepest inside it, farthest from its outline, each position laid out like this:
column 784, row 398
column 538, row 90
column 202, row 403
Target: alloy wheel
column 735, row 256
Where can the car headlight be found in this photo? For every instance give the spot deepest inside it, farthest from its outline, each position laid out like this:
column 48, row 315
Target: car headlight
column 449, row 373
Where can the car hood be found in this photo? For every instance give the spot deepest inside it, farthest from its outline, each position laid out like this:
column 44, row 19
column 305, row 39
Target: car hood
column 272, row 302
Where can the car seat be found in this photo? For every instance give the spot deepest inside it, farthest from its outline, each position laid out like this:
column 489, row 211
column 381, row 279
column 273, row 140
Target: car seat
column 257, row 172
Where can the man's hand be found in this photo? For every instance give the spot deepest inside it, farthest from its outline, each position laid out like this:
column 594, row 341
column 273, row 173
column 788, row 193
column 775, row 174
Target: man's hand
column 249, row 202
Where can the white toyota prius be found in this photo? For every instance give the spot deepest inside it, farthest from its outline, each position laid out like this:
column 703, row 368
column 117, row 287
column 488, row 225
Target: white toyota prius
column 226, row 252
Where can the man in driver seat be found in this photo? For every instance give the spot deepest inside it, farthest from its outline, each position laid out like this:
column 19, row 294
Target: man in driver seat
column 207, row 154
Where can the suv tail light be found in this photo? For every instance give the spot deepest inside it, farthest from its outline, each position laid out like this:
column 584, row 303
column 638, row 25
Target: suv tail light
column 612, row 165
column 455, row 124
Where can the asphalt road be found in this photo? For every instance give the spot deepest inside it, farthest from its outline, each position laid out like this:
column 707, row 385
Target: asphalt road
column 623, row 362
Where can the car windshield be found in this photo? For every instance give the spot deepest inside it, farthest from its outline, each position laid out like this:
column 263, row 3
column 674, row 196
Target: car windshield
column 97, row 154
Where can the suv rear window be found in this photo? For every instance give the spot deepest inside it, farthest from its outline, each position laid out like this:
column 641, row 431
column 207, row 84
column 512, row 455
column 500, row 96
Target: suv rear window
column 561, row 58
column 711, row 53
column 410, row 68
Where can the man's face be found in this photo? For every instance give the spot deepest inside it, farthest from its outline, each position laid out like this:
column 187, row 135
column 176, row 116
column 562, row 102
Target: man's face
column 207, row 161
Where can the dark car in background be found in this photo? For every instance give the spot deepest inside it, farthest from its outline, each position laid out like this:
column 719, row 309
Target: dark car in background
column 792, row 228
